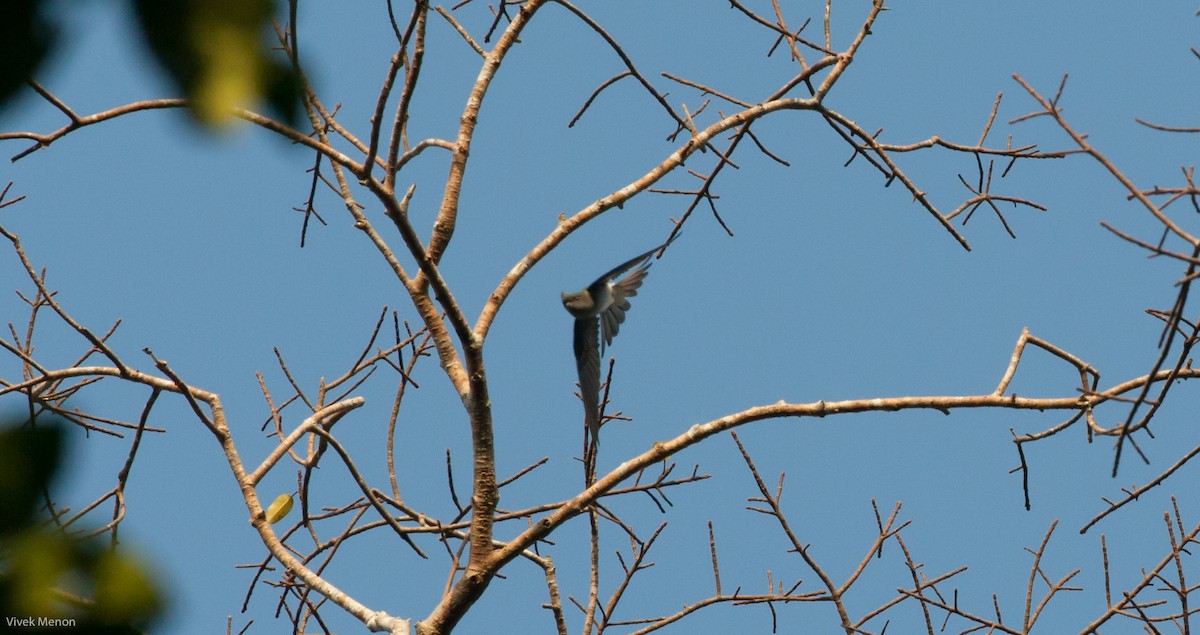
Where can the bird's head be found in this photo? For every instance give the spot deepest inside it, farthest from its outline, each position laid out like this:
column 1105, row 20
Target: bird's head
column 577, row 303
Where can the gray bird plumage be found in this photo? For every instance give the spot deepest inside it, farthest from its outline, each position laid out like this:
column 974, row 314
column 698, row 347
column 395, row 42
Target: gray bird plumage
column 599, row 311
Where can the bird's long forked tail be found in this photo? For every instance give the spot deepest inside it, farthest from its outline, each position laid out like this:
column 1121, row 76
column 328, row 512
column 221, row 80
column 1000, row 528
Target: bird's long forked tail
column 591, row 437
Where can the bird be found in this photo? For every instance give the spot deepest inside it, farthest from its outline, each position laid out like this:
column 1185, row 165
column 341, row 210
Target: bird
column 599, row 310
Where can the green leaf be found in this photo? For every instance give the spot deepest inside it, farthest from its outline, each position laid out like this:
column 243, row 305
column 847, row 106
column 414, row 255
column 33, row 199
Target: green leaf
column 25, row 38
column 37, row 562
column 28, row 459
column 124, row 590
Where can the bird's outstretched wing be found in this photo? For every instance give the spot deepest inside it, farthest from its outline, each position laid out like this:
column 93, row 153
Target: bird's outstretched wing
column 627, row 265
column 612, row 317
column 587, row 362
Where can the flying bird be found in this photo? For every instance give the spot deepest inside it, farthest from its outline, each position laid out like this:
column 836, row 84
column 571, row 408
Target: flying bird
column 599, row 311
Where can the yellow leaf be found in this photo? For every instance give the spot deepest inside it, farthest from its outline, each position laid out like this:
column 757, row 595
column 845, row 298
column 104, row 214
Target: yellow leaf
column 279, row 508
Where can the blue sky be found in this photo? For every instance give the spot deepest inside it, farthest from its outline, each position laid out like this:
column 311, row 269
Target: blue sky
column 832, row 287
